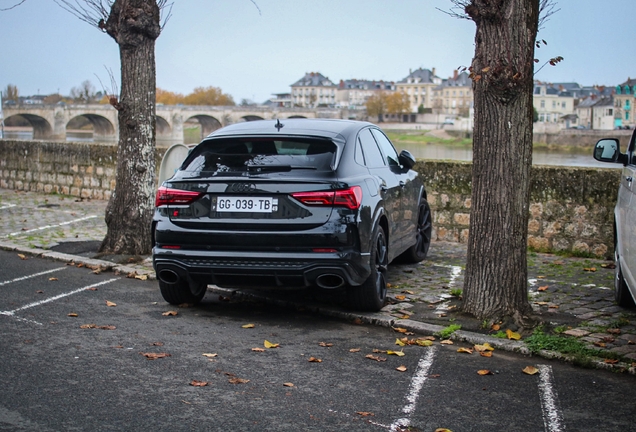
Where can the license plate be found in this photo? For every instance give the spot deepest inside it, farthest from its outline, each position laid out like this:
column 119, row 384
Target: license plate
column 245, row 204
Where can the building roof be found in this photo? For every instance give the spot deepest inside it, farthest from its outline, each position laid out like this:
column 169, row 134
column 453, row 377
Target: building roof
column 314, row 79
column 420, row 76
column 366, row 84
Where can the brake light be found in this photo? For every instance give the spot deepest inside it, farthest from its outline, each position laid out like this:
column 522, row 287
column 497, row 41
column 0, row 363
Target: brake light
column 166, row 196
column 350, row 198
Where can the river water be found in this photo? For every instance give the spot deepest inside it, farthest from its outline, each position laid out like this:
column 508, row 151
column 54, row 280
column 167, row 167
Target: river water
column 581, row 158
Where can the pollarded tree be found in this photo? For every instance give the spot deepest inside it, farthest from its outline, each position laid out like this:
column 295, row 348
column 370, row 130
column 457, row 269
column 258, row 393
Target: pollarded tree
column 134, row 25
column 495, row 285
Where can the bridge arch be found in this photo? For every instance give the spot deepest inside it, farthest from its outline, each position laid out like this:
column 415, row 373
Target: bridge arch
column 296, row 116
column 206, row 123
column 42, row 128
column 102, row 127
column 251, row 117
column 163, row 128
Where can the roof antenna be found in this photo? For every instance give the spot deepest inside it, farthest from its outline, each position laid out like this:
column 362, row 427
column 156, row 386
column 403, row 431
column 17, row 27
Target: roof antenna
column 278, row 125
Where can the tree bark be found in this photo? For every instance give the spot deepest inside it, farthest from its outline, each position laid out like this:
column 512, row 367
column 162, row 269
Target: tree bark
column 495, row 285
column 135, row 25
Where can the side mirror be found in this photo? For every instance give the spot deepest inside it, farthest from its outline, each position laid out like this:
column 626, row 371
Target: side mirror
column 607, row 150
column 406, row 159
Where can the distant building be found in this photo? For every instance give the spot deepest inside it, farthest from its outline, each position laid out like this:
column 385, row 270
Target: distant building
column 354, row 93
column 313, row 90
column 624, row 102
column 553, row 102
column 596, row 112
column 283, row 100
column 454, row 97
column 419, row 85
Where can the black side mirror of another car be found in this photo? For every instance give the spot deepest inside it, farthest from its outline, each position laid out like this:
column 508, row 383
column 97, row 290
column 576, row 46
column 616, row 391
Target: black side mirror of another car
column 407, row 160
column 608, row 150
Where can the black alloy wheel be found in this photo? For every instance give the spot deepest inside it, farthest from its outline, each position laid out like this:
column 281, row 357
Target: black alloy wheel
column 621, row 292
column 182, row 292
column 371, row 295
column 423, row 233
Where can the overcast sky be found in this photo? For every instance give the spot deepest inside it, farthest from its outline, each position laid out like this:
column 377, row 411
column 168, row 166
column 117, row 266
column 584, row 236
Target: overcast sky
column 229, row 44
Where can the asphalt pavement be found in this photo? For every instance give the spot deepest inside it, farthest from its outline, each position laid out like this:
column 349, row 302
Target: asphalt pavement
column 574, row 295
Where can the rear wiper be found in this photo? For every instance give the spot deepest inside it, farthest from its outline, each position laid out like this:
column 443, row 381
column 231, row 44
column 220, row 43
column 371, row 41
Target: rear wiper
column 277, row 168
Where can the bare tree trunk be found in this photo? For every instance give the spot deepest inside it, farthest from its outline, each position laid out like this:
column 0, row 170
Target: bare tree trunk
column 496, row 270
column 135, row 25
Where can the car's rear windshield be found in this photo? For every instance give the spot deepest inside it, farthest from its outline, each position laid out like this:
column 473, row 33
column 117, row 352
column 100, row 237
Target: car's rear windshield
column 260, row 155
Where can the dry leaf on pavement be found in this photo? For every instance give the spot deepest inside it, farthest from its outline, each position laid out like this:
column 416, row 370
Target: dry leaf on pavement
column 209, row 355
column 22, row 256
column 325, row 344
column 258, row 349
column 365, row 414
column 399, row 342
column 52, row 278
column 268, row 344
column 401, row 368
column 236, row 380
column 376, row 358
column 446, row 342
column 110, row 304
column 483, row 348
column 485, row 353
column 530, row 370
column 484, row 372
column 170, row 313
column 354, row 350
column 397, row 353
column 542, row 288
column 247, row 326
column 288, row 384
column 72, row 314
column 154, row 356
column 314, row 360
column 512, row 335
column 196, row 383
column 465, row 350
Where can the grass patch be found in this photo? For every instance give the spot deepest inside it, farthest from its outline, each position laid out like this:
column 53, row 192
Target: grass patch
column 421, row 137
column 578, row 351
column 446, row 332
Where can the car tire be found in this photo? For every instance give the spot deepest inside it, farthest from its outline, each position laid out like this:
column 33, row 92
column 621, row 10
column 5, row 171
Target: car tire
column 182, row 292
column 371, row 295
column 424, row 230
column 621, row 292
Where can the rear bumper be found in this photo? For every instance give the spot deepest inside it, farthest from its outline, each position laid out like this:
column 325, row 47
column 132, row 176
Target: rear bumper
column 265, row 269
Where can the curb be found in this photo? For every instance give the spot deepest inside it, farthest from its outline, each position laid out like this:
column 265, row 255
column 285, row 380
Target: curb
column 377, row 319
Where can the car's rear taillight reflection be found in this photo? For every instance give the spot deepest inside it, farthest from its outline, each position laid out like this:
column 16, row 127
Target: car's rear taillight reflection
column 350, row 198
column 167, row 196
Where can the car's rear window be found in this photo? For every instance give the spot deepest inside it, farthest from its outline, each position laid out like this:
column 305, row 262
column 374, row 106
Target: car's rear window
column 260, row 155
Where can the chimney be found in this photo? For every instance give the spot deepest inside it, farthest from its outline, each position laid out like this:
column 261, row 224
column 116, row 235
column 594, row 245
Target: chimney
column 455, row 75
column 433, row 71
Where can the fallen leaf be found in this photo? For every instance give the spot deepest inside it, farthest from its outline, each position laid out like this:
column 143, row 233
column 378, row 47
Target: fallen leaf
column 611, row 361
column 540, row 277
column 615, row 331
column 424, row 343
column 236, row 380
column 495, row 327
column 484, row 372
column 465, row 350
column 110, row 304
column 107, row 327
column 357, row 321
column 154, row 356
column 530, row 370
column 52, row 278
column 434, row 376
column 196, row 383
column 185, row 305
column 485, row 347
column 600, row 344
column 397, row 353
column 80, row 265
column 325, row 344
column 247, row 326
column 379, row 351
column 401, row 368
column 443, row 430
column 376, row 358
column 268, row 344
column 399, row 342
column 157, row 344
column 404, row 316
column 208, row 355
column 431, row 338
column 314, row 360
column 258, row 349
column 541, row 303
column 72, row 314
column 22, row 256
column 354, row 350
column 400, row 329
column 589, row 269
column 513, row 335
column 408, row 292
column 170, row 313
column 142, row 277
column 446, row 342
column 400, row 297
column 485, row 354
column 609, row 266
column 288, row 384
column 365, row 413
column 553, row 307
column 40, row 292
column 542, row 288
column 88, row 326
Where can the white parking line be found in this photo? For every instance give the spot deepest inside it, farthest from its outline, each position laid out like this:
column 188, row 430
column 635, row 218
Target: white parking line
column 6, row 206
column 552, row 418
column 32, row 276
column 420, row 376
column 51, row 226
column 50, row 299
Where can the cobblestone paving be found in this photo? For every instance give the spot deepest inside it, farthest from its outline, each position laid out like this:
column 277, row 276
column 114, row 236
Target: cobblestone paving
column 574, row 295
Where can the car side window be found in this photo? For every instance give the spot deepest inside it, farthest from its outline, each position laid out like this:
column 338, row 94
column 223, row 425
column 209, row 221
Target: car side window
column 372, row 154
column 387, row 148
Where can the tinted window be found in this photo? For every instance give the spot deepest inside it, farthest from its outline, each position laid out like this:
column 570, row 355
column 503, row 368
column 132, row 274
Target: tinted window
column 372, row 154
column 387, row 148
column 240, row 155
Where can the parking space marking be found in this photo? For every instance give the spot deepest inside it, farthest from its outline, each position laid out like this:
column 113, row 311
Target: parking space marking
column 417, row 382
column 50, row 299
column 6, row 206
column 552, row 418
column 32, row 276
column 51, row 226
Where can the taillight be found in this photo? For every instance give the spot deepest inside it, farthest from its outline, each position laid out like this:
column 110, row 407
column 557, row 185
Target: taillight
column 350, row 198
column 167, row 196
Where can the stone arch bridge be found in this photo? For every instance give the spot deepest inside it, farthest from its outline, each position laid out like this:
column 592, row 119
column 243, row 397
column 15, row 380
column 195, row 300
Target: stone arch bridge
column 50, row 121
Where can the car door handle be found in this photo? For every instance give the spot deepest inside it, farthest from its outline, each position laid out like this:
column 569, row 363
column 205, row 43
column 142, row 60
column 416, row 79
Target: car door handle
column 402, row 184
column 629, row 179
column 384, row 188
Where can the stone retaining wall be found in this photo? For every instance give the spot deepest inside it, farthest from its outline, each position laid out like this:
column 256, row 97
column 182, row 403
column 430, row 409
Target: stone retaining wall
column 571, row 209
